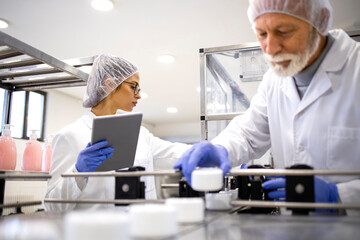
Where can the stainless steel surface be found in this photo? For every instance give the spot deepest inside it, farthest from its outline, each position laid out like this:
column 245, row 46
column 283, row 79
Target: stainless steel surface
column 19, row 62
column 272, row 227
column 289, row 172
column 91, row 201
column 20, row 204
column 272, row 204
column 224, row 225
column 123, row 174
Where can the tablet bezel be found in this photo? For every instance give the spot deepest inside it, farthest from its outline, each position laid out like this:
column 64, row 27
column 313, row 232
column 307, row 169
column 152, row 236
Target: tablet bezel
column 122, row 133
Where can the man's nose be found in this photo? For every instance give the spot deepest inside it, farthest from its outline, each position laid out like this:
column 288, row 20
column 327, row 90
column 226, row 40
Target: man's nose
column 273, row 45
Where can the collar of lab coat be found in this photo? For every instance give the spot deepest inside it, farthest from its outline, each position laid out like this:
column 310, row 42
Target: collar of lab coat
column 333, row 61
column 89, row 116
column 339, row 51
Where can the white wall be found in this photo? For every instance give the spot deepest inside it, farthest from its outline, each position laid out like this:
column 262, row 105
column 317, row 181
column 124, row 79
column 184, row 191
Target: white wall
column 61, row 110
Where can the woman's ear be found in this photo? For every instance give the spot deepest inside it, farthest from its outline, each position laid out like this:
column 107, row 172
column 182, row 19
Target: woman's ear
column 109, row 85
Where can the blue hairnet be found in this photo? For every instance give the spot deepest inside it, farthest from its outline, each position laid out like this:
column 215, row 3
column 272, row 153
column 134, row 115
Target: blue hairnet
column 316, row 12
column 115, row 69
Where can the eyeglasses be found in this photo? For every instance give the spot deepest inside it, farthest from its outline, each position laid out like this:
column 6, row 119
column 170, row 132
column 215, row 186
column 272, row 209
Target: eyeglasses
column 135, row 86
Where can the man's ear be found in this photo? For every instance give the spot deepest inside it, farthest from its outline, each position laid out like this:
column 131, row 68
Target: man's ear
column 325, row 18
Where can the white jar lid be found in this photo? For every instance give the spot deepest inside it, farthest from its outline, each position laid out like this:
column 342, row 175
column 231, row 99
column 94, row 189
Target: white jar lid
column 188, row 210
column 207, row 179
column 218, row 201
column 94, row 225
column 152, row 221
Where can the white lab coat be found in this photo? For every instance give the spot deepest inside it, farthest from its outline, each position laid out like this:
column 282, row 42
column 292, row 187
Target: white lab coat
column 66, row 147
column 321, row 130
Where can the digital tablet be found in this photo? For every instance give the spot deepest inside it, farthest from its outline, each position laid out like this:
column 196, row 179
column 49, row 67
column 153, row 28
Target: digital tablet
column 121, row 132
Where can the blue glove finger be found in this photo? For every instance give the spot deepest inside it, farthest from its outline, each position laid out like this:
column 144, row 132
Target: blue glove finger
column 275, row 183
column 325, row 192
column 105, row 150
column 279, row 194
column 243, row 166
column 109, row 155
column 97, row 145
column 193, row 161
column 223, row 157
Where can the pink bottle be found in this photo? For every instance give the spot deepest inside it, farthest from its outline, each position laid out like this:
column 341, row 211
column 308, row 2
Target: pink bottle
column 32, row 155
column 7, row 150
column 46, row 157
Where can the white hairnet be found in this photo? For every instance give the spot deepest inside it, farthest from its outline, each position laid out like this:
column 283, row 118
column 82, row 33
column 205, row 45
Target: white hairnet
column 316, row 12
column 115, row 69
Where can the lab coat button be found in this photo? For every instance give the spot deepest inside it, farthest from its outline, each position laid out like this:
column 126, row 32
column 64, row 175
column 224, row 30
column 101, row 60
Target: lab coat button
column 300, row 148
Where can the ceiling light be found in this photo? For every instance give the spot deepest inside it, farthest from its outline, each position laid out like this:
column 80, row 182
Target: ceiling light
column 172, row 110
column 3, row 24
column 166, row 59
column 102, row 5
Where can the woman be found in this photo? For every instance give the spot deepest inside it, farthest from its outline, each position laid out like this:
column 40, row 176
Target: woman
column 112, row 87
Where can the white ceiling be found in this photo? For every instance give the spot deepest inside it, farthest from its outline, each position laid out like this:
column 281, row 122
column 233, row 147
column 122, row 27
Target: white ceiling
column 140, row 30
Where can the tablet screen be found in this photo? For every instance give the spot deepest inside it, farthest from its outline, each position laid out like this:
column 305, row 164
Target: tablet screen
column 121, row 132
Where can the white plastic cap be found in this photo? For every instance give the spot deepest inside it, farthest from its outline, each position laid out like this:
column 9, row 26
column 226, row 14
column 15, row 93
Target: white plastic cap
column 33, row 135
column 94, row 225
column 152, row 221
column 188, row 210
column 207, row 179
column 6, row 130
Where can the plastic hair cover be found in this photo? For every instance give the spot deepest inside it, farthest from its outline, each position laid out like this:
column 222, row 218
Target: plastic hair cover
column 107, row 73
column 316, row 12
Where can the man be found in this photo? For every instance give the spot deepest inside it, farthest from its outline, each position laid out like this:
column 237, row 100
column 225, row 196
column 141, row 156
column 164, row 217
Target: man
column 307, row 108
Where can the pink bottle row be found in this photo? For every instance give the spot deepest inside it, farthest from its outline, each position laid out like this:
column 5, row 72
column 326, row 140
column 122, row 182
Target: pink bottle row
column 34, row 157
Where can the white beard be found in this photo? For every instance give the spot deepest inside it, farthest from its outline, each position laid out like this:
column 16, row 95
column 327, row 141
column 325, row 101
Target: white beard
column 297, row 61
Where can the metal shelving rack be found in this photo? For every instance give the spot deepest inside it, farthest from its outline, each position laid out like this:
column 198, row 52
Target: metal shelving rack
column 8, row 175
column 229, row 76
column 25, row 68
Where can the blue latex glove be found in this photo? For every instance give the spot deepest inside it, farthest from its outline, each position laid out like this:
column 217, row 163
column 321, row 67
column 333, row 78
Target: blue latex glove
column 324, row 192
column 92, row 156
column 203, row 154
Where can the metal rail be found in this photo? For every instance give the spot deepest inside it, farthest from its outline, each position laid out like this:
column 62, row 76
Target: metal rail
column 170, row 185
column 24, row 175
column 269, row 204
column 20, row 204
column 233, row 172
column 91, row 201
column 289, row 172
column 123, row 174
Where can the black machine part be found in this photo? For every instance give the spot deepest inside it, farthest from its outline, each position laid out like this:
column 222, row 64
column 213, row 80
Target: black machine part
column 300, row 189
column 129, row 187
